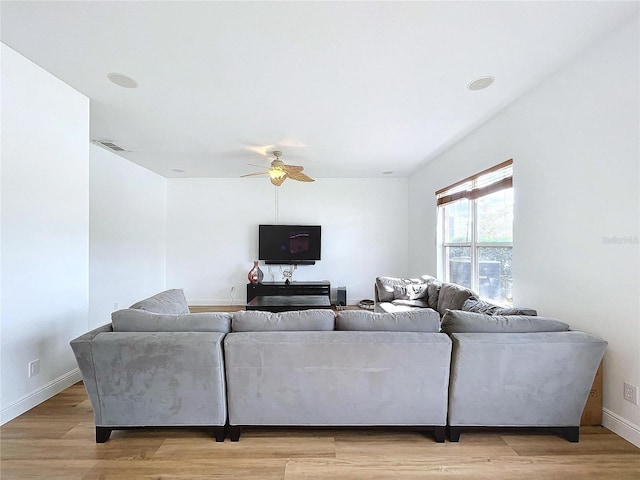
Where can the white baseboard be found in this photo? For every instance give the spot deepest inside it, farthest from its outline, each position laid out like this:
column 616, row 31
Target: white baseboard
column 219, row 302
column 40, row 395
column 621, row 426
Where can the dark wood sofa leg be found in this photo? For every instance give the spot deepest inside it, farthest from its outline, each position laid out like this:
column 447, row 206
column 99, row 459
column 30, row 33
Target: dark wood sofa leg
column 571, row 433
column 102, row 434
column 220, row 433
column 234, row 432
column 453, row 434
column 439, row 433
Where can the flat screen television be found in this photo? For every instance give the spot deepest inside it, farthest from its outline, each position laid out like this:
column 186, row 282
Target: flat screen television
column 289, row 244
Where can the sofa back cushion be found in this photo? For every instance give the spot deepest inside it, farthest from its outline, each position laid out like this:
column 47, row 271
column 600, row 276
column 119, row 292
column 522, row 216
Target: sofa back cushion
column 411, row 303
column 299, row 320
column 135, row 320
column 420, row 320
column 452, row 297
column 433, row 291
column 169, row 301
column 457, row 321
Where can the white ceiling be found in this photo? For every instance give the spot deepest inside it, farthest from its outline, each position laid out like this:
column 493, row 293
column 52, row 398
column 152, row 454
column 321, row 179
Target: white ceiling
column 346, row 89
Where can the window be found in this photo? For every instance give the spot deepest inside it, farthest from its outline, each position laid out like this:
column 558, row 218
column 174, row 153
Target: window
column 475, row 234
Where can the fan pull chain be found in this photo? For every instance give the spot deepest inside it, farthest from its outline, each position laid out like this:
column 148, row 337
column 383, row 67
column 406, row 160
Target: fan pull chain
column 276, row 205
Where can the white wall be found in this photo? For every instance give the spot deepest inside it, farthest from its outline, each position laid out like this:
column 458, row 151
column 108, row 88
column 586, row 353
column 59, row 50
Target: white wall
column 212, row 227
column 575, row 144
column 127, row 234
column 45, row 234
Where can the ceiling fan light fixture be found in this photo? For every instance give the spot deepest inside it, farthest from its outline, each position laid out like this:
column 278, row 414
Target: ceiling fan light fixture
column 277, row 173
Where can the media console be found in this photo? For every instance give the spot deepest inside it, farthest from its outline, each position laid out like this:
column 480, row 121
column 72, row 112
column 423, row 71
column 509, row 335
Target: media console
column 270, row 289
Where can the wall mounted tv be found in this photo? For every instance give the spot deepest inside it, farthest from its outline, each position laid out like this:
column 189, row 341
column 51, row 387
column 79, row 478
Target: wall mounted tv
column 289, row 244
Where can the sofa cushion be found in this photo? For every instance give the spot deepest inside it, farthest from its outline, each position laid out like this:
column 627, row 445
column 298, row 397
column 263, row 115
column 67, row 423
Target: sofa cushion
column 391, row 307
column 458, row 321
column 169, row 301
column 422, row 303
column 299, row 320
column 452, row 297
column 135, row 320
column 418, row 320
column 481, row 306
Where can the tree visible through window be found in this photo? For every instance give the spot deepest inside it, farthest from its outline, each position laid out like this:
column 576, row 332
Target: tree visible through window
column 475, row 237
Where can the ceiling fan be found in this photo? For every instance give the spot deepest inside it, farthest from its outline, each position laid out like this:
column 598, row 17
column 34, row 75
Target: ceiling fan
column 279, row 172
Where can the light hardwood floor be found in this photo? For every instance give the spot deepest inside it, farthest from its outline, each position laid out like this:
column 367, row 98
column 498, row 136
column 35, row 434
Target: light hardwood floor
column 56, row 440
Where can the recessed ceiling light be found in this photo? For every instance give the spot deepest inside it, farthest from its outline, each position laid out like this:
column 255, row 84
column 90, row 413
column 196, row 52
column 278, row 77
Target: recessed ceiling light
column 481, row 83
column 122, row 80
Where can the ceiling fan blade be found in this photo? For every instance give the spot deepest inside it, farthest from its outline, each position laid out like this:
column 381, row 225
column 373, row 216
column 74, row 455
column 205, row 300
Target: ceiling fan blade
column 253, row 174
column 301, row 177
column 292, row 168
column 263, row 150
column 278, row 181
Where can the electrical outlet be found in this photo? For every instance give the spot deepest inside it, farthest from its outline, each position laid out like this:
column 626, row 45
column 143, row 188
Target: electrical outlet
column 233, row 288
column 630, row 393
column 34, row 367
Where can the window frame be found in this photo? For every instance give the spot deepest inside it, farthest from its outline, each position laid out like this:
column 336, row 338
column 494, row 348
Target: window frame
column 468, row 189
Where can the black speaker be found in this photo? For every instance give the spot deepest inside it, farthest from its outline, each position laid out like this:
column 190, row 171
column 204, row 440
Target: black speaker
column 341, row 297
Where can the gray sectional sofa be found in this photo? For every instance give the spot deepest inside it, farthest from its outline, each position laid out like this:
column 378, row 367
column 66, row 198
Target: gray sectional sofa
column 158, row 365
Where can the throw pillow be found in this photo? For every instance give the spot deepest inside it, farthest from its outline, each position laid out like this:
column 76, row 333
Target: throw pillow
column 518, row 311
column 135, row 320
column 458, row 321
column 400, row 292
column 299, row 320
column 410, row 289
column 417, row 291
column 169, row 301
column 412, row 303
column 452, row 296
column 419, row 320
column 480, row 306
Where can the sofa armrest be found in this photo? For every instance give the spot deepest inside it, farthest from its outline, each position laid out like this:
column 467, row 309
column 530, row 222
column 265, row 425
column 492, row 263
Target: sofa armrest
column 522, row 379
column 81, row 347
column 154, row 378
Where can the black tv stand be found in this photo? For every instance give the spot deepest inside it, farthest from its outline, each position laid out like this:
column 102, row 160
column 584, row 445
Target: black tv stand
column 270, row 289
column 289, row 262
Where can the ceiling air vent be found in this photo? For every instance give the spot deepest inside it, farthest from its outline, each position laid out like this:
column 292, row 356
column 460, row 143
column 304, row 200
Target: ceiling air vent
column 110, row 145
